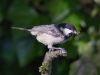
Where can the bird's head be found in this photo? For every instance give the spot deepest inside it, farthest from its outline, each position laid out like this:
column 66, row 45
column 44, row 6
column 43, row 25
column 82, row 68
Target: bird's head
column 68, row 29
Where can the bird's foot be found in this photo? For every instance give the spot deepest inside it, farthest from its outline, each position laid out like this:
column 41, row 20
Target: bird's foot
column 60, row 49
column 54, row 48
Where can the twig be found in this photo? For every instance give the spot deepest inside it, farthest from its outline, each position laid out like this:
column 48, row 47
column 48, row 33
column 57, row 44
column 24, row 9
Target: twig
column 45, row 69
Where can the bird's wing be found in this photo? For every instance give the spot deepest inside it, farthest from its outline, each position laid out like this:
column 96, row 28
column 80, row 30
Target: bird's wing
column 49, row 29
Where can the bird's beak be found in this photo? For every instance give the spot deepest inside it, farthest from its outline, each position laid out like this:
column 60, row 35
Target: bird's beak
column 75, row 32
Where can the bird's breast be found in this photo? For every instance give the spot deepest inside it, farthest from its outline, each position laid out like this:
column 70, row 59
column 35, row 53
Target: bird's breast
column 49, row 39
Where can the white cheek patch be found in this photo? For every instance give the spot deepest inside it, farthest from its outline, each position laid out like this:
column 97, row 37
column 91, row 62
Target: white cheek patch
column 67, row 31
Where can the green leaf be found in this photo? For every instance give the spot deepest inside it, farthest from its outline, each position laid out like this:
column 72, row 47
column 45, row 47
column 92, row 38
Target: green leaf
column 56, row 8
column 94, row 12
column 73, row 19
column 97, row 1
column 27, row 50
column 21, row 14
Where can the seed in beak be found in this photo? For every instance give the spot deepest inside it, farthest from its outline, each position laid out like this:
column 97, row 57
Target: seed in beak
column 75, row 32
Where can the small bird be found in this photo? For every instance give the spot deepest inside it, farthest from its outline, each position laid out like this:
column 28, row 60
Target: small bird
column 52, row 34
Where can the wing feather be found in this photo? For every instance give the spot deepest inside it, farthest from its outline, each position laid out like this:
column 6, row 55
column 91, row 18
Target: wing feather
column 49, row 29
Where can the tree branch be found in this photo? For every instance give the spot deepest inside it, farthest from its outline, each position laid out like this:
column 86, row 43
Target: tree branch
column 45, row 69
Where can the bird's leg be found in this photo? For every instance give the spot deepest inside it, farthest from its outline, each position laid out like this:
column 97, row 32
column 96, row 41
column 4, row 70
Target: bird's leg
column 56, row 48
column 50, row 48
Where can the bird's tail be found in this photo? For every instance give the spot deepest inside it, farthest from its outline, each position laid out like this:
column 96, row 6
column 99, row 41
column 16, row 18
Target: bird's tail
column 21, row 28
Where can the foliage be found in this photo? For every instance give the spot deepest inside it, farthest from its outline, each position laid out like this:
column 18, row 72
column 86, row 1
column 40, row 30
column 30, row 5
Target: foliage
column 21, row 54
column 43, row 67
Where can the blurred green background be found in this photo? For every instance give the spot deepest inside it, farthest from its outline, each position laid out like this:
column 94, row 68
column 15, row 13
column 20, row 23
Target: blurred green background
column 21, row 54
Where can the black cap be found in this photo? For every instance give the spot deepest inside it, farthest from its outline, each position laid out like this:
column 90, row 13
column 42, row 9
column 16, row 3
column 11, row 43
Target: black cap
column 67, row 25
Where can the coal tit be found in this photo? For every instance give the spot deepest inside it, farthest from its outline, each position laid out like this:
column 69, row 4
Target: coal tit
column 52, row 34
